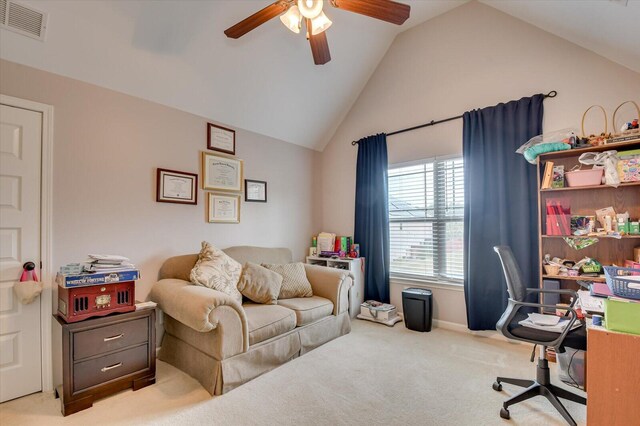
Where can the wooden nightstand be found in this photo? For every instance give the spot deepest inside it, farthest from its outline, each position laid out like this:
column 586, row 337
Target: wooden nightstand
column 105, row 355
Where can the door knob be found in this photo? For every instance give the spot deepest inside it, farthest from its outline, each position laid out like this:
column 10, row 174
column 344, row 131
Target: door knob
column 29, row 266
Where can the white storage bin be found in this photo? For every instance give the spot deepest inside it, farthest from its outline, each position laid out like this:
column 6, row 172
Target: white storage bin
column 572, row 367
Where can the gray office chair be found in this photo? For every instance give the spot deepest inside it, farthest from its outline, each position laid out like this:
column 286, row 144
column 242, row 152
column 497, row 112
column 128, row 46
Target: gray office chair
column 509, row 327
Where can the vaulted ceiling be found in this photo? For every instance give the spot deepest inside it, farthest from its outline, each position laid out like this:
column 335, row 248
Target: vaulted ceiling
column 175, row 53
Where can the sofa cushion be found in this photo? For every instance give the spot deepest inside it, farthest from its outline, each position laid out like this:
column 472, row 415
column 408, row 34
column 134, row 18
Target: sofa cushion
column 216, row 270
column 260, row 284
column 294, row 280
column 267, row 321
column 308, row 309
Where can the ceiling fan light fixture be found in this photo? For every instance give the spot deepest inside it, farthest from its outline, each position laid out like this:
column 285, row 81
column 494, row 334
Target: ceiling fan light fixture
column 320, row 23
column 292, row 19
column 310, row 8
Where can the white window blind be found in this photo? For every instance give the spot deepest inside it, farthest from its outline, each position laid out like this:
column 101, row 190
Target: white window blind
column 426, row 209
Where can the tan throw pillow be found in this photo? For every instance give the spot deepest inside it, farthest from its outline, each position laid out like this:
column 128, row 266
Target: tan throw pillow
column 294, row 280
column 260, row 284
column 216, row 270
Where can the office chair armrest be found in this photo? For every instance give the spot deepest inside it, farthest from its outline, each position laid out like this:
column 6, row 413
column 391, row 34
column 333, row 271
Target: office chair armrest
column 515, row 306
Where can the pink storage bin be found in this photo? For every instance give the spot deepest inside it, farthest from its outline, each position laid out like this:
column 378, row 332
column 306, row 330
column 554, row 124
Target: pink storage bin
column 633, row 265
column 589, row 177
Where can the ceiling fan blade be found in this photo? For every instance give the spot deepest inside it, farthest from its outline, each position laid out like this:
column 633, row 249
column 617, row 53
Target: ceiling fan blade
column 257, row 19
column 386, row 10
column 319, row 46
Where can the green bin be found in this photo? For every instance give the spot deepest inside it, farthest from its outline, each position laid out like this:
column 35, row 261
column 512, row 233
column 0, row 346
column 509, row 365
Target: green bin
column 622, row 315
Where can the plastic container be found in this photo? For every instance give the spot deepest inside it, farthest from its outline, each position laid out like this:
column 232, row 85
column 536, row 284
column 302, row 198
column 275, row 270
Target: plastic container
column 623, row 282
column 589, row 177
column 572, row 367
column 622, row 315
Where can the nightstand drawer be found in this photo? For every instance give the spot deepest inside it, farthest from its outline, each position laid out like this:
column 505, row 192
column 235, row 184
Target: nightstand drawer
column 99, row 370
column 110, row 338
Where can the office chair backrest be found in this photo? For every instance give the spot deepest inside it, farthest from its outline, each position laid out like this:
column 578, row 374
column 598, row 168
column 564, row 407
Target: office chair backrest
column 512, row 273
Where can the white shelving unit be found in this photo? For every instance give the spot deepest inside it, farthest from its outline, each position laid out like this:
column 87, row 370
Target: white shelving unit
column 356, row 267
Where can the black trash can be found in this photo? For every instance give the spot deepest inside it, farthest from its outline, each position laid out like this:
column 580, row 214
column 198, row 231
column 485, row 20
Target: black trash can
column 417, row 308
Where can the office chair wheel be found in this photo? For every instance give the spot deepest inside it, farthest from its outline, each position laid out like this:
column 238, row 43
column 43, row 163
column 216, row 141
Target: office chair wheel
column 504, row 413
column 497, row 386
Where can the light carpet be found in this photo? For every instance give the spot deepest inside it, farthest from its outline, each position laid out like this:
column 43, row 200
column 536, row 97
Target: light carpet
column 375, row 376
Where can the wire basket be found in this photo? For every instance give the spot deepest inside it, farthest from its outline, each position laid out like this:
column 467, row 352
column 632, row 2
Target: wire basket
column 630, row 132
column 623, row 282
column 596, row 140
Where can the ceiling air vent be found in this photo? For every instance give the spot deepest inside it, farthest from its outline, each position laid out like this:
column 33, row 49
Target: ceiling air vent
column 22, row 19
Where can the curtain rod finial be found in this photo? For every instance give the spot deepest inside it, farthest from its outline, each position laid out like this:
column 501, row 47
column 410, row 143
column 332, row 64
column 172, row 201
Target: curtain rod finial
column 354, row 143
column 551, row 94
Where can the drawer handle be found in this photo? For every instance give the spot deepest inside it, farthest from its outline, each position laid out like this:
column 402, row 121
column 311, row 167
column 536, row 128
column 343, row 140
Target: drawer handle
column 111, row 367
column 108, row 339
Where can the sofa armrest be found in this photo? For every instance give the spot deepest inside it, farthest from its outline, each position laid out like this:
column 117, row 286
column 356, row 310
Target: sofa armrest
column 332, row 284
column 196, row 306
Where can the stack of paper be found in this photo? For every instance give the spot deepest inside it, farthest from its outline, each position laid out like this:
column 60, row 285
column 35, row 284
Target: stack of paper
column 552, row 323
column 590, row 303
column 108, row 263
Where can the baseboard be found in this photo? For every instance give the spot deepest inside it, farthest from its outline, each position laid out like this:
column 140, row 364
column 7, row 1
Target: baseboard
column 461, row 328
column 448, row 325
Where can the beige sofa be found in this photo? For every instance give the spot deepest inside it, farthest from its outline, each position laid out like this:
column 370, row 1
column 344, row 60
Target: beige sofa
column 222, row 344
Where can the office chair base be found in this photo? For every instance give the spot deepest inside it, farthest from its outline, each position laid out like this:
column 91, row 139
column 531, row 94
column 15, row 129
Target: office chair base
column 540, row 387
column 504, row 413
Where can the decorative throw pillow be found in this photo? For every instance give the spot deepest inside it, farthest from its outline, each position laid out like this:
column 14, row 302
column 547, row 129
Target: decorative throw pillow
column 294, row 280
column 216, row 270
column 260, row 284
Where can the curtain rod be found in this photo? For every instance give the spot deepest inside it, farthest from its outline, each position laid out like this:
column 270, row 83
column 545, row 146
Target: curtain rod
column 551, row 94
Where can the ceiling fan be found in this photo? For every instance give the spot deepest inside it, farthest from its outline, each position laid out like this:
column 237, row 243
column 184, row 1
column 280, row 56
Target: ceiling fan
column 294, row 12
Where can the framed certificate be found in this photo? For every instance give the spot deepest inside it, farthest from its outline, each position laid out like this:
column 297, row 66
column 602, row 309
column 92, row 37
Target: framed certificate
column 255, row 191
column 221, row 173
column 176, row 187
column 221, row 139
column 223, row 208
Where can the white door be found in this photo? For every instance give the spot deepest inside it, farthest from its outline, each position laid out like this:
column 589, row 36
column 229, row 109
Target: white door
column 20, row 344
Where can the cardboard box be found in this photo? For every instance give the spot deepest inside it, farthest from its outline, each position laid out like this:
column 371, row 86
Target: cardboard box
column 96, row 278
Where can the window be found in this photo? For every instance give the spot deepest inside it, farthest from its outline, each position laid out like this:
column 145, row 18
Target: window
column 426, row 210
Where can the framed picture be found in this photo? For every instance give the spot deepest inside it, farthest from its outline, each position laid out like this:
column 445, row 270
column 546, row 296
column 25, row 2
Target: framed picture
column 221, row 139
column 223, row 208
column 220, row 173
column 255, row 191
column 176, row 187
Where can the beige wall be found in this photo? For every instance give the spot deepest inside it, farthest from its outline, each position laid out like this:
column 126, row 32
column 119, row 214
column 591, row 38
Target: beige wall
column 107, row 146
column 471, row 57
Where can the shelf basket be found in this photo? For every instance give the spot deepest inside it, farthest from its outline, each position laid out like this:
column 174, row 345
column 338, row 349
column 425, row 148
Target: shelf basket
column 593, row 139
column 623, row 282
column 627, row 133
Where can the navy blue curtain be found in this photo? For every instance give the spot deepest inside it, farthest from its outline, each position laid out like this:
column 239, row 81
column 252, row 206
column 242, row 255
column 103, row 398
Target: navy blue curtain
column 372, row 215
column 500, row 204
